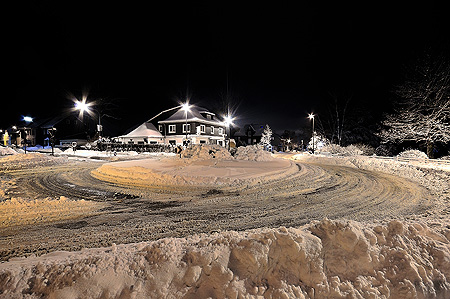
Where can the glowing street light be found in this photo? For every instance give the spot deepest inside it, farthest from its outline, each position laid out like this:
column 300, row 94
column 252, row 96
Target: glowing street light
column 27, row 119
column 311, row 116
column 186, row 108
column 87, row 107
column 228, row 121
column 82, row 106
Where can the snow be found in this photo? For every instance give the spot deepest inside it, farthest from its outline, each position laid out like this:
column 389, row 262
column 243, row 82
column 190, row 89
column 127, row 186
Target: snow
column 415, row 154
column 19, row 211
column 176, row 171
column 324, row 259
column 4, row 151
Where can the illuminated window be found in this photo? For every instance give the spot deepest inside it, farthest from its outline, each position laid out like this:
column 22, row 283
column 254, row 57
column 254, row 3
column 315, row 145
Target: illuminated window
column 212, row 130
column 186, row 128
column 171, row 128
column 220, row 131
column 160, row 128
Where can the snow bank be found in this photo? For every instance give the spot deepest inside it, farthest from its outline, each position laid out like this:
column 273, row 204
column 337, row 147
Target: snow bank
column 336, row 149
column 24, row 161
column 194, row 172
column 252, row 153
column 326, row 259
column 4, row 151
column 202, row 152
column 247, row 153
column 19, row 211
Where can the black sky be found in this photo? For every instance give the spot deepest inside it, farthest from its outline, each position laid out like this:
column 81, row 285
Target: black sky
column 282, row 59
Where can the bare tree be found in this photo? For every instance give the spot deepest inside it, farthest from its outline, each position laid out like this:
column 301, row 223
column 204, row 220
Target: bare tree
column 423, row 113
column 335, row 120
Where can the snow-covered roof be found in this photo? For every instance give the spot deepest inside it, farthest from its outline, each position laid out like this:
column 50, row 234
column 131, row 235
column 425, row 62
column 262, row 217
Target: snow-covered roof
column 194, row 114
column 145, row 130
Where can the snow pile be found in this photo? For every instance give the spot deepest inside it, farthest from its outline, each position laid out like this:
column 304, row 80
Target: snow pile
column 252, row 153
column 413, row 154
column 203, row 152
column 23, row 161
column 336, row 149
column 326, row 259
column 4, row 151
column 18, row 211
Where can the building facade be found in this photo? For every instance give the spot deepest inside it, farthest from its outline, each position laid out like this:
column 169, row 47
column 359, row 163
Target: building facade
column 196, row 126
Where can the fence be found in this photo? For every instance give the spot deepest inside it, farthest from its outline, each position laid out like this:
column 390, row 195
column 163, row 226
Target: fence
column 409, row 160
column 122, row 147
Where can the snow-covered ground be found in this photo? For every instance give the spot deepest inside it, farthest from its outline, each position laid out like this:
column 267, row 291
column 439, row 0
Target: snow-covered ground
column 323, row 259
column 326, row 259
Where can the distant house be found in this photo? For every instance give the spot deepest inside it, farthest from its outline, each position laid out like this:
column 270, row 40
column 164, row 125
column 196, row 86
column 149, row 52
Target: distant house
column 248, row 135
column 197, row 126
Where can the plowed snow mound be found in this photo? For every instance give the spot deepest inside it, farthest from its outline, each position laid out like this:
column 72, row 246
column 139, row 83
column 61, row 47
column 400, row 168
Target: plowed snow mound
column 19, row 211
column 176, row 171
column 5, row 151
column 204, row 152
column 326, row 259
column 252, row 153
column 24, row 161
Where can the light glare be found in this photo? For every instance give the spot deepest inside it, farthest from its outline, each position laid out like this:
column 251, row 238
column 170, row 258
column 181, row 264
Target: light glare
column 185, row 107
column 28, row 119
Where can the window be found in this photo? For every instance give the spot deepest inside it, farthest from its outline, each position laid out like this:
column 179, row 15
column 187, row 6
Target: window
column 171, row 128
column 220, row 131
column 186, row 128
column 212, row 130
column 202, row 128
column 160, row 128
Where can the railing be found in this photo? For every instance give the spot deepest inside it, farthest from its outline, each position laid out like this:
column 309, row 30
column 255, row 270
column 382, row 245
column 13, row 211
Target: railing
column 123, row 147
column 409, row 160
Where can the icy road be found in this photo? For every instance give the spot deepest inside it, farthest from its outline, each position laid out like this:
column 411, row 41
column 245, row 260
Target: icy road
column 134, row 214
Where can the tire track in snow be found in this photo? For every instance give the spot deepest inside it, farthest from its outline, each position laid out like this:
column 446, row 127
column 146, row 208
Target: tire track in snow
column 314, row 192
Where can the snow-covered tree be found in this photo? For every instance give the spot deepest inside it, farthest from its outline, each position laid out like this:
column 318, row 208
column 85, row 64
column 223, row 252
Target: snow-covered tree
column 423, row 113
column 266, row 137
column 319, row 142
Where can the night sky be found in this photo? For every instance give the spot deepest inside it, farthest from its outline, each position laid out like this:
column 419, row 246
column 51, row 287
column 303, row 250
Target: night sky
column 280, row 60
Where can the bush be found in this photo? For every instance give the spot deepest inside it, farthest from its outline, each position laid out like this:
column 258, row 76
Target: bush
column 386, row 150
column 335, row 149
column 415, row 154
column 366, row 149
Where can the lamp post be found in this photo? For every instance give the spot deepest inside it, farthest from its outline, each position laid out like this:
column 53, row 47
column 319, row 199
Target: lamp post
column 311, row 116
column 86, row 107
column 186, row 108
column 228, row 121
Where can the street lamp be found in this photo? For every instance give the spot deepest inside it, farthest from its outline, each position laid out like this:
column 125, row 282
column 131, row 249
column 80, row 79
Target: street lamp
column 186, row 108
column 86, row 107
column 311, row 116
column 228, row 120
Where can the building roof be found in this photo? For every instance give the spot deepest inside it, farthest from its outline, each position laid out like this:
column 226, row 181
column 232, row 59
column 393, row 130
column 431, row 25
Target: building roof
column 194, row 114
column 257, row 130
column 145, row 130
